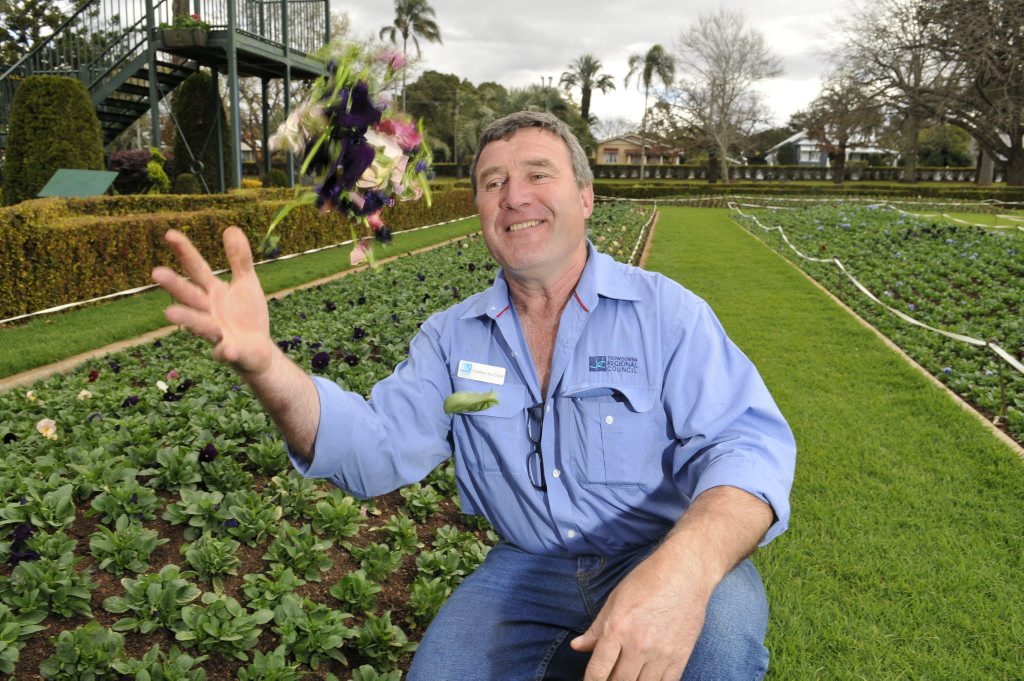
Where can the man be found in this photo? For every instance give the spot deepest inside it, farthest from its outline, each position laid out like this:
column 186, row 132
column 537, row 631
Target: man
column 633, row 461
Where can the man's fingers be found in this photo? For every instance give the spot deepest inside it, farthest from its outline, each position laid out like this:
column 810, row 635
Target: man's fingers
column 181, row 289
column 584, row 643
column 191, row 259
column 236, row 245
column 199, row 323
column 602, row 662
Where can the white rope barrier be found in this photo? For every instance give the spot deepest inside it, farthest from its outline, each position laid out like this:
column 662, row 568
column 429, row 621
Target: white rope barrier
column 140, row 289
column 947, row 216
column 643, row 232
column 1000, row 352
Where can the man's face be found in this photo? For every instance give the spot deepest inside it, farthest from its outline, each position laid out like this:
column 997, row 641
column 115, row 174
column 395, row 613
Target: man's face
column 533, row 215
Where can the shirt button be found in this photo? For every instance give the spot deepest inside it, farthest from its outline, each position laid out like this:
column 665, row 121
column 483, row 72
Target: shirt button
column 557, row 473
column 570, row 534
column 609, row 419
column 547, row 407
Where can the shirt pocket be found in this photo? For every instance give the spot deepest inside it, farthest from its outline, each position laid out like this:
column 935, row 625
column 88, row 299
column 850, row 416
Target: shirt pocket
column 618, row 435
column 485, row 438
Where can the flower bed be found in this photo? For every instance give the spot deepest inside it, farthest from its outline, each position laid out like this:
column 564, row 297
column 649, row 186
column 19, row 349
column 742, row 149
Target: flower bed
column 957, row 278
column 145, row 500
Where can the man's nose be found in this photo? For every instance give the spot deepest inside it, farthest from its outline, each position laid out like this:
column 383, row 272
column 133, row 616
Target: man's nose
column 516, row 193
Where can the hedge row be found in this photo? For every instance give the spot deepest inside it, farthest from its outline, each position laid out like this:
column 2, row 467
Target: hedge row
column 58, row 251
column 654, row 190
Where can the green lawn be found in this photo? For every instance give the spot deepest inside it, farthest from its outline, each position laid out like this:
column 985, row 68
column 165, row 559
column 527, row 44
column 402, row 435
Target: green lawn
column 51, row 338
column 905, row 557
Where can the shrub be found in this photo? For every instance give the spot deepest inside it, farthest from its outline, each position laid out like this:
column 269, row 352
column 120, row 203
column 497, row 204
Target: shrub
column 275, row 178
column 195, row 144
column 251, row 183
column 159, row 183
column 186, row 183
column 132, row 170
column 53, row 125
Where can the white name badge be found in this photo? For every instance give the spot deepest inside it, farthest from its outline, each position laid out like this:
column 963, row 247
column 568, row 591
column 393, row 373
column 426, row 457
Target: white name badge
column 481, row 372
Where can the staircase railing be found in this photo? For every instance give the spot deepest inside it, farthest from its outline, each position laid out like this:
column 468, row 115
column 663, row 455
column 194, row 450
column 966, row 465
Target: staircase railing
column 103, row 35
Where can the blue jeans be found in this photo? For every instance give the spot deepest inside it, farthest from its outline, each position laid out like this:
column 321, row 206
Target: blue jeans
column 513, row 619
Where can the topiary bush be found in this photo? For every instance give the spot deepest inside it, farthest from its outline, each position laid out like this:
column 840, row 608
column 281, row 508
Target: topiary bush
column 186, row 183
column 53, row 125
column 159, row 183
column 195, row 144
column 132, row 171
column 275, row 177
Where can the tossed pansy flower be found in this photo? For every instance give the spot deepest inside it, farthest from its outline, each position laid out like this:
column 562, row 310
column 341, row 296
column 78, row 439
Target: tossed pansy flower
column 47, row 428
column 93, row 375
column 172, row 374
column 320, row 361
column 31, row 396
column 163, row 386
column 363, row 155
column 84, row 394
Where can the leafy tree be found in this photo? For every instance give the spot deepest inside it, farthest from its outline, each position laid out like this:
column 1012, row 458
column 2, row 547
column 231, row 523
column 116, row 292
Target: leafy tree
column 53, row 125
column 654, row 65
column 585, row 73
column 24, row 23
column 723, row 58
column 197, row 113
column 413, row 19
column 945, row 145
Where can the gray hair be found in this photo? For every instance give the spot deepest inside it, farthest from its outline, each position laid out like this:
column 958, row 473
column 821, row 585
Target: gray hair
column 504, row 128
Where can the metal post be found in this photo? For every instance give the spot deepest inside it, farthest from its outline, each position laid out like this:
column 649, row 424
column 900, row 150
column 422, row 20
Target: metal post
column 266, row 126
column 154, row 85
column 290, row 157
column 235, row 125
column 219, row 125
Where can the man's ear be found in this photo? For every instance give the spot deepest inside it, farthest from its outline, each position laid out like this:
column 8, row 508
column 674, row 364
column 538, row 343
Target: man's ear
column 587, row 197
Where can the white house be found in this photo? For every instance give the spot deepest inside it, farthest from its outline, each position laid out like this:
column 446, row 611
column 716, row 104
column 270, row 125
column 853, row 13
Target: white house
column 809, row 153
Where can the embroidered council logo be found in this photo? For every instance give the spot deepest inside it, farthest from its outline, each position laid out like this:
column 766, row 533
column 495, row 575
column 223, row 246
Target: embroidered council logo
column 622, row 365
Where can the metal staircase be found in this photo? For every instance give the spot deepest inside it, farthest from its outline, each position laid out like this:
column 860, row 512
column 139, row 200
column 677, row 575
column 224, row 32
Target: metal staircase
column 114, row 48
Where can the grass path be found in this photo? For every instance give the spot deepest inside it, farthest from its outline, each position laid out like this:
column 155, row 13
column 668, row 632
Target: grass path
column 905, row 557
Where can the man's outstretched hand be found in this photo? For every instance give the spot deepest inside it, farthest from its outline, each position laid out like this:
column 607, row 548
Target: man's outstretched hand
column 233, row 316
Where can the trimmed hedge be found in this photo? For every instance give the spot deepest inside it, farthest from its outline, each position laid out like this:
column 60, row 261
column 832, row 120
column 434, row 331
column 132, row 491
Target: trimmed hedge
column 53, row 125
column 60, row 251
column 679, row 189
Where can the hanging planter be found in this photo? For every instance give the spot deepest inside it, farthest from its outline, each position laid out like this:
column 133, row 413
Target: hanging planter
column 183, row 37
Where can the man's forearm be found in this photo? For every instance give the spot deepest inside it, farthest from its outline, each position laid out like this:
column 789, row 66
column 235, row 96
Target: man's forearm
column 720, row 528
column 290, row 397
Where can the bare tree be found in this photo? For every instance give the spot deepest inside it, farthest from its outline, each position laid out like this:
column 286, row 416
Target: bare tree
column 959, row 61
column 886, row 46
column 721, row 58
column 604, row 128
column 843, row 117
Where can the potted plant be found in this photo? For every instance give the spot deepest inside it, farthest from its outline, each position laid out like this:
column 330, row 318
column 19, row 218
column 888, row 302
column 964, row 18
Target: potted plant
column 187, row 30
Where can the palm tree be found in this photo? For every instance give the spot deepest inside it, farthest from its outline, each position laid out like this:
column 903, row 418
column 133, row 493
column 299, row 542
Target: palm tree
column 584, row 74
column 655, row 64
column 413, row 19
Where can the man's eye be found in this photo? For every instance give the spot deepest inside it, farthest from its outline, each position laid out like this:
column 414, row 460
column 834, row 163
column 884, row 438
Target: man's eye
column 493, row 184
column 540, row 176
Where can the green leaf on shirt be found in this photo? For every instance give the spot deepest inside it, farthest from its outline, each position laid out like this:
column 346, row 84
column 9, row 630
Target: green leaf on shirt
column 462, row 402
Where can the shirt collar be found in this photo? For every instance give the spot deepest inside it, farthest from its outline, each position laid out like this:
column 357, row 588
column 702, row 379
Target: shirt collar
column 602, row 278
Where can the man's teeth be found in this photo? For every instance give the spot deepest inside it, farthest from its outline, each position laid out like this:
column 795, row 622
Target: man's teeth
column 523, row 225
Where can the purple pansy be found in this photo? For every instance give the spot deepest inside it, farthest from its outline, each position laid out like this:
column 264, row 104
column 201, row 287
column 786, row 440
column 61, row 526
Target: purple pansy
column 320, row 361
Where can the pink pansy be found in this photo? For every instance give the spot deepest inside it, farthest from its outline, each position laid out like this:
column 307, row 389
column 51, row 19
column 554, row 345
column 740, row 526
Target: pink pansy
column 375, row 220
column 392, row 58
column 172, row 374
column 47, row 428
column 404, row 132
column 397, row 173
column 360, row 252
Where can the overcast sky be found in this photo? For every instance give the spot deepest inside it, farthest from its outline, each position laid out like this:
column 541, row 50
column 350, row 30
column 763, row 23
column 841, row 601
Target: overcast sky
column 517, row 43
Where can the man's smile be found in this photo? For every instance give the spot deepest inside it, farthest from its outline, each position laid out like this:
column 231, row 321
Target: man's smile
column 522, row 225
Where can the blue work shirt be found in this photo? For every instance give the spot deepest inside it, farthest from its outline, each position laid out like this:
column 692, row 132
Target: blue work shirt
column 649, row 404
